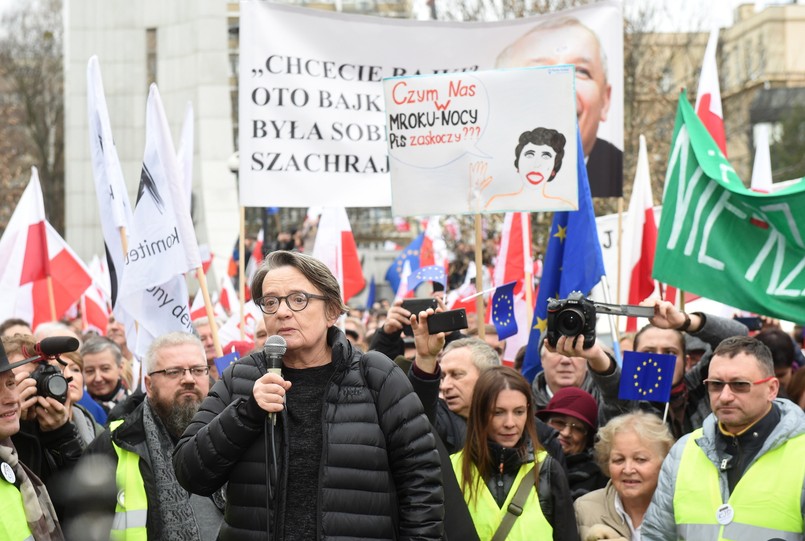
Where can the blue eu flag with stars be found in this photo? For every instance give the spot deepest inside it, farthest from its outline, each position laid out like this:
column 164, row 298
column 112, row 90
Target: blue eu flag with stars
column 573, row 262
column 431, row 273
column 647, row 376
column 411, row 254
column 503, row 311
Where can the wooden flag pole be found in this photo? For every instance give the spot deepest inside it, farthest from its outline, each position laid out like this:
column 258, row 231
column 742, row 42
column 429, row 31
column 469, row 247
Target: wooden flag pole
column 479, row 277
column 139, row 378
column 51, row 296
column 242, row 271
column 202, row 282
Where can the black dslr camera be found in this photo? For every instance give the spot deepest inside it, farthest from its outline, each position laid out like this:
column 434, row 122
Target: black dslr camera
column 50, row 382
column 572, row 316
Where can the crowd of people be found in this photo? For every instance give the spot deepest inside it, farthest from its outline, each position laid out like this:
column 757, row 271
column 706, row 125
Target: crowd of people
column 371, row 427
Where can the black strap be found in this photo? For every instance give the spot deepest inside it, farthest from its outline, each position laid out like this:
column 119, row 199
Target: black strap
column 515, row 508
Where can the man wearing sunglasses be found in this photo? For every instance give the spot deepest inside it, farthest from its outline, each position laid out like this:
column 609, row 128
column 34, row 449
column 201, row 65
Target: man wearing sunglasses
column 665, row 334
column 150, row 502
column 742, row 475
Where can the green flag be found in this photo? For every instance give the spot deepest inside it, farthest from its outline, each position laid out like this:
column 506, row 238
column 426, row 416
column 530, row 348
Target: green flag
column 722, row 241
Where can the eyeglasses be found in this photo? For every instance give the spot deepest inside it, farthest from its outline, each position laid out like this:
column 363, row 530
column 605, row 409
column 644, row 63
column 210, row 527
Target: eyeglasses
column 295, row 301
column 176, row 373
column 737, row 387
column 561, row 424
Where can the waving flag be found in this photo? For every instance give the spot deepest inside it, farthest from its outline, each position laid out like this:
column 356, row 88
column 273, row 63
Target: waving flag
column 110, row 187
column 573, row 262
column 503, row 311
column 410, row 254
column 514, row 262
column 761, row 168
column 371, row 294
column 335, row 247
column 434, row 249
column 32, row 253
column 432, row 273
column 640, row 237
column 162, row 244
column 647, row 376
column 708, row 95
column 723, row 241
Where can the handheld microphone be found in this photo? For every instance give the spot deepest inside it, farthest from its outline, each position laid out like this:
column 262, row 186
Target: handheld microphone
column 274, row 349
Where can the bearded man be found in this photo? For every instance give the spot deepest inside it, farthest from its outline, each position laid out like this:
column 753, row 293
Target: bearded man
column 150, row 502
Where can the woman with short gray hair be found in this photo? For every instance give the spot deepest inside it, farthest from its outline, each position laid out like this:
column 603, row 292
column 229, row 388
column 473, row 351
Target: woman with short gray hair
column 630, row 449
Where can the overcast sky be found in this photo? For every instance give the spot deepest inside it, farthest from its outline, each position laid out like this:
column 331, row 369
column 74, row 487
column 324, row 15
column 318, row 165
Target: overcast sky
column 680, row 15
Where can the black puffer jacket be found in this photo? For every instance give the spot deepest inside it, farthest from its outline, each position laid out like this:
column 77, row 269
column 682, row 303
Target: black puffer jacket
column 379, row 476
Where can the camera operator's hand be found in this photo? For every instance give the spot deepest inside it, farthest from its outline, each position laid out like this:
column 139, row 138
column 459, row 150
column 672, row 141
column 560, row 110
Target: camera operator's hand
column 26, row 385
column 668, row 316
column 51, row 413
column 396, row 318
column 573, row 346
column 428, row 346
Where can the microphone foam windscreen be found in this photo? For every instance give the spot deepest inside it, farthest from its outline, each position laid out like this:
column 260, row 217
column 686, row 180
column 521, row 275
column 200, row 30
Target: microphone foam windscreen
column 275, row 345
column 55, row 345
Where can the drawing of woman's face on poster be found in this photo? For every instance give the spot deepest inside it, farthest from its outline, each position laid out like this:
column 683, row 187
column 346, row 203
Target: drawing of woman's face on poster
column 538, row 156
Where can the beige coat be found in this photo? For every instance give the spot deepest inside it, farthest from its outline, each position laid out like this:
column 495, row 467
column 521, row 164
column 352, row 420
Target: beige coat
column 597, row 508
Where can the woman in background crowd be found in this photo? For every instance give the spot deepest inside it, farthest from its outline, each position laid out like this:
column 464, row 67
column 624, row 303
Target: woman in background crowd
column 501, row 454
column 630, row 449
column 573, row 413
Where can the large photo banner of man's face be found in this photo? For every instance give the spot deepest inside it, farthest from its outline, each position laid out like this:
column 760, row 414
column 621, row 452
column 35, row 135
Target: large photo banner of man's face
column 312, row 122
column 584, row 42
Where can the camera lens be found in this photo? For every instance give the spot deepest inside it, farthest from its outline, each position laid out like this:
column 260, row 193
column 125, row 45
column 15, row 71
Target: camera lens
column 56, row 386
column 570, row 322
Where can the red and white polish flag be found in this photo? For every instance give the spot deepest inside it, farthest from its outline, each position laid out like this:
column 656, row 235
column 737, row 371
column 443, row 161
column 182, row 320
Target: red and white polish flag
column 708, row 95
column 513, row 260
column 335, row 247
column 32, row 251
column 640, row 237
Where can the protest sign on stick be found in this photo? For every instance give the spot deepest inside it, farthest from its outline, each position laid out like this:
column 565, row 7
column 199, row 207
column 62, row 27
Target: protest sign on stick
column 490, row 141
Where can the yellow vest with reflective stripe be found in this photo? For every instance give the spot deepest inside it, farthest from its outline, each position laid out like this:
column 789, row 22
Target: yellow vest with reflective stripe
column 131, row 510
column 13, row 524
column 486, row 515
column 765, row 502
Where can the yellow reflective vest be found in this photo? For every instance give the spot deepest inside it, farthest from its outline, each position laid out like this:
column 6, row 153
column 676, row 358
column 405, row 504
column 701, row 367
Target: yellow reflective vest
column 764, row 505
column 131, row 510
column 13, row 524
column 486, row 515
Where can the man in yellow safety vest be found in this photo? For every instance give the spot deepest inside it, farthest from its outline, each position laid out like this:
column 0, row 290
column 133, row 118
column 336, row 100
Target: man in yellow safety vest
column 741, row 477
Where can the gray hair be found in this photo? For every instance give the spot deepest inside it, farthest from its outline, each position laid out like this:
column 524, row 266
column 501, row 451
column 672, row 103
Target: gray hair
column 647, row 426
column 54, row 328
column 99, row 344
column 316, row 272
column 172, row 339
column 506, row 58
column 482, row 354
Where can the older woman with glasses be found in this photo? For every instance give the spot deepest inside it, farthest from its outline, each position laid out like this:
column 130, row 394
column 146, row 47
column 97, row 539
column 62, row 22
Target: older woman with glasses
column 336, row 446
column 630, row 449
column 573, row 413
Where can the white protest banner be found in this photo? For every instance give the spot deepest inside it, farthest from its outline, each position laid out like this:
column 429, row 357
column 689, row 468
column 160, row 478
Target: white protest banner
column 312, row 124
column 490, row 141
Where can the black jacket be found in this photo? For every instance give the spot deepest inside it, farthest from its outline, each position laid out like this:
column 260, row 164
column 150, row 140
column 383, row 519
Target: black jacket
column 130, row 435
column 379, row 474
column 554, row 494
column 51, row 455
